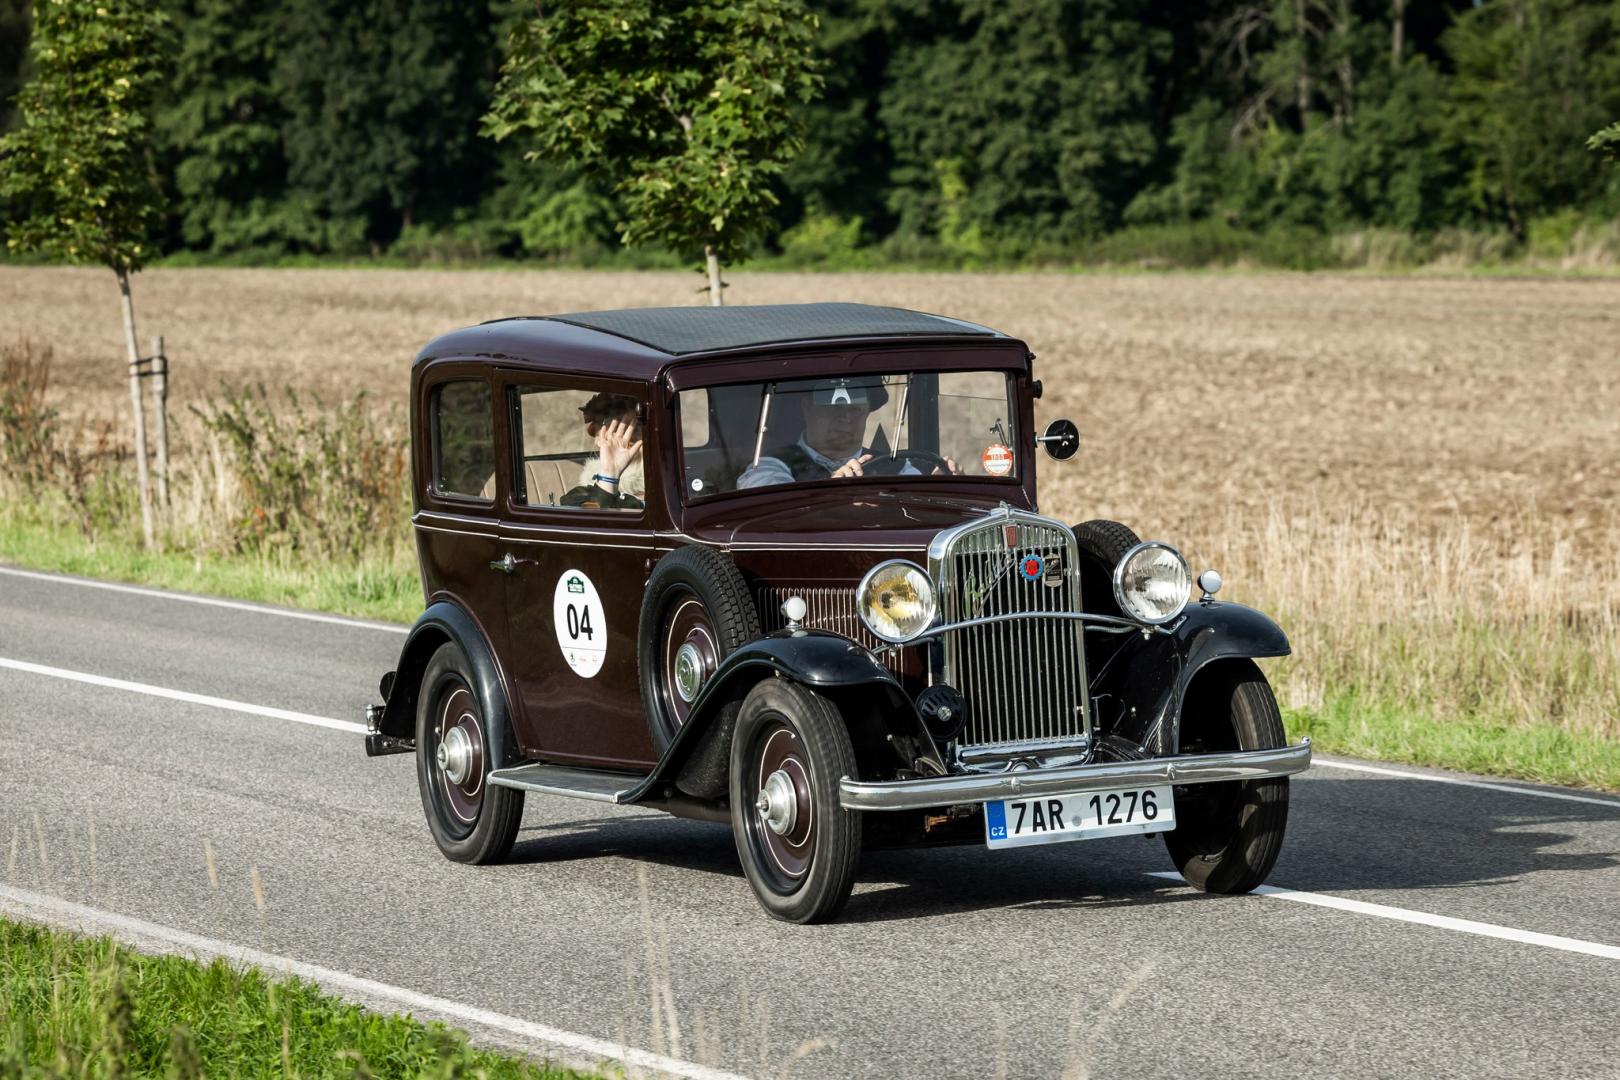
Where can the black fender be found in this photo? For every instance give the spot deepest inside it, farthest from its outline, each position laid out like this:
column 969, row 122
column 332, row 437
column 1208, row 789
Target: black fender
column 1138, row 691
column 447, row 621
column 698, row 761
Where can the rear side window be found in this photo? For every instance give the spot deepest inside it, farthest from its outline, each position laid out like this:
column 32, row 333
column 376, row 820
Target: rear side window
column 463, row 439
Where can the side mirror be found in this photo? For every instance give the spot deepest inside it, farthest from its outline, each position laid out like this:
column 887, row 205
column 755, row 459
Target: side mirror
column 1061, row 440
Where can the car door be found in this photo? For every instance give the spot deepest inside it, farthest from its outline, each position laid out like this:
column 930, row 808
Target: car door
column 578, row 560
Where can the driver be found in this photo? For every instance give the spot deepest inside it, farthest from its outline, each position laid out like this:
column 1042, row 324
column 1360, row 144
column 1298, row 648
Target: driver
column 835, row 413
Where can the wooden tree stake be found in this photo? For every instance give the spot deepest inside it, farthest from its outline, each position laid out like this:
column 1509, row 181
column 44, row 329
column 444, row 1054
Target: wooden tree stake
column 160, row 420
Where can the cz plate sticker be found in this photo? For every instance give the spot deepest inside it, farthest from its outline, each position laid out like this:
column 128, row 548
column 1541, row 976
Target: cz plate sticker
column 576, row 613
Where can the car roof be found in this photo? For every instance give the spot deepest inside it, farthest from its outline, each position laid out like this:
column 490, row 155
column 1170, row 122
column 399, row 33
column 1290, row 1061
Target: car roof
column 644, row 340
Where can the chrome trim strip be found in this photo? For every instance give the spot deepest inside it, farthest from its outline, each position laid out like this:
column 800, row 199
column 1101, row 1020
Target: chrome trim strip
column 1112, row 622
column 1185, row 769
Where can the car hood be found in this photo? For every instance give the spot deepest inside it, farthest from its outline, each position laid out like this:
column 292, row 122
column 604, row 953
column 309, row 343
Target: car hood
column 875, row 520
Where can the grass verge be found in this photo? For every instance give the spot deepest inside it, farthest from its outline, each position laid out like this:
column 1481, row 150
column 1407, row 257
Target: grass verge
column 373, row 588
column 79, row 1007
column 1352, row 725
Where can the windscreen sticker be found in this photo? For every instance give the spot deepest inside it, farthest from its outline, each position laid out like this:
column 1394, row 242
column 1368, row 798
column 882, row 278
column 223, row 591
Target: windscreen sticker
column 576, row 612
column 998, row 460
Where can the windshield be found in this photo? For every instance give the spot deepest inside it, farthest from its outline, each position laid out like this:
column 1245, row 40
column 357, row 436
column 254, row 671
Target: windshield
column 914, row 426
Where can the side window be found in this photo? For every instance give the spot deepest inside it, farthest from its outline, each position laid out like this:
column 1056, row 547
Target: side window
column 578, row 448
column 463, row 439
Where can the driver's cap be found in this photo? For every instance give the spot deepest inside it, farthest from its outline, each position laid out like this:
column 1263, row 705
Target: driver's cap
column 840, row 392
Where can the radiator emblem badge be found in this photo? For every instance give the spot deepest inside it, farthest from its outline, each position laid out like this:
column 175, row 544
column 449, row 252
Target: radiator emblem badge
column 1033, row 567
column 1010, row 534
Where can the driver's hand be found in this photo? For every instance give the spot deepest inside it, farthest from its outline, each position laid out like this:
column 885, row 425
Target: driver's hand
column 950, row 466
column 852, row 467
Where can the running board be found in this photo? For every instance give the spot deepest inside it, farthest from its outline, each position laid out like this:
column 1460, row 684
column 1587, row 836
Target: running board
column 597, row 785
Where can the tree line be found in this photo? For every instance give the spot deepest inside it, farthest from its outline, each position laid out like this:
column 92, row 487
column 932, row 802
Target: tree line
column 967, row 129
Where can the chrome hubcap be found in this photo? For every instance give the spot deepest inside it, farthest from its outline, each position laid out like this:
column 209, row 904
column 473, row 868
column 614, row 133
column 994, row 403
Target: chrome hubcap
column 456, row 755
column 778, row 803
column 688, row 672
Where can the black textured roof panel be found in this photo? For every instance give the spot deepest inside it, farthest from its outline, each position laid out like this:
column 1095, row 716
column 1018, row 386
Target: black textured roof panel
column 678, row 331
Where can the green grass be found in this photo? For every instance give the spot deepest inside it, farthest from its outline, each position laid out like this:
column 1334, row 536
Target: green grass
column 377, row 588
column 1356, row 726
column 77, row 1007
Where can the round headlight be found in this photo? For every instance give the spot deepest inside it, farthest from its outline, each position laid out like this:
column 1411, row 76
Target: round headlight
column 1152, row 583
column 896, row 601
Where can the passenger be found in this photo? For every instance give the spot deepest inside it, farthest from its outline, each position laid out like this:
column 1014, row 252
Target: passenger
column 835, row 413
column 614, row 479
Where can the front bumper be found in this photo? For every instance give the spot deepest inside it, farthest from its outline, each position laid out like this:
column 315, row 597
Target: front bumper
column 979, row 787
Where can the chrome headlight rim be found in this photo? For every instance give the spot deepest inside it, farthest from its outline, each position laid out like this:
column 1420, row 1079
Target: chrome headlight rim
column 1119, row 583
column 861, row 597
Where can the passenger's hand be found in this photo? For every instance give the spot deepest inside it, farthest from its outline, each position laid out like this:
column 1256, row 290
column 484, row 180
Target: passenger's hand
column 950, row 466
column 613, row 443
column 852, row 467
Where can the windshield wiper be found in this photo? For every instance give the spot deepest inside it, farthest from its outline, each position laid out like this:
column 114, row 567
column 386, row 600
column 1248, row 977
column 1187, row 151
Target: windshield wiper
column 764, row 418
column 900, row 418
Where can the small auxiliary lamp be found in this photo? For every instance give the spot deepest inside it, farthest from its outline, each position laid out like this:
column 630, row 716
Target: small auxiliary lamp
column 1210, row 582
column 794, row 607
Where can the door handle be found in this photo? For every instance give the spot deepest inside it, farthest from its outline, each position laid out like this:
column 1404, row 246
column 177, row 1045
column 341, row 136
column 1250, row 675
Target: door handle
column 509, row 565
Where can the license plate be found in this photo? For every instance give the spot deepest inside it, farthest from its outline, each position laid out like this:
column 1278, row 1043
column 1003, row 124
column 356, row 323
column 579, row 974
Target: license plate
column 1053, row 819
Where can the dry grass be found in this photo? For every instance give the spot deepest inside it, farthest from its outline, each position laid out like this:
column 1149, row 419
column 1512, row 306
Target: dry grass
column 1421, row 475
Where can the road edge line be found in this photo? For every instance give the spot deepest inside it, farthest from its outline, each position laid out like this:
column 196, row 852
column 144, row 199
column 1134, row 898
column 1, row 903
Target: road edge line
column 182, row 695
column 194, row 598
column 30, row 905
column 1423, row 918
column 1488, row 785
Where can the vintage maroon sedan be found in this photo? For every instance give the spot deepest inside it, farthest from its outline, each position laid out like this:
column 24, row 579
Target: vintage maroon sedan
column 783, row 567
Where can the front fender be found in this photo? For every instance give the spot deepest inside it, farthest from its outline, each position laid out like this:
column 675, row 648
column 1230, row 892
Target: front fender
column 446, row 621
column 698, row 761
column 1138, row 692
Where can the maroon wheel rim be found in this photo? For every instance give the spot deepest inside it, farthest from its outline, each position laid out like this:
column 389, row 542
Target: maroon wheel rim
column 458, row 762
column 691, row 652
column 781, row 750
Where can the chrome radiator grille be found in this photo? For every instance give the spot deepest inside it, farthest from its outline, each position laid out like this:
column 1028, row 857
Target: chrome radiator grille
column 1024, row 679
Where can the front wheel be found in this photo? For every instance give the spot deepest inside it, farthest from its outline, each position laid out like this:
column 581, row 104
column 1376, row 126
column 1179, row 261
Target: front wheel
column 455, row 753
column 799, row 847
column 1228, row 835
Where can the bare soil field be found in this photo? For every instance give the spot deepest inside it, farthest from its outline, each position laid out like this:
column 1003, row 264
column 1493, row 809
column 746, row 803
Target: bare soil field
column 1474, row 397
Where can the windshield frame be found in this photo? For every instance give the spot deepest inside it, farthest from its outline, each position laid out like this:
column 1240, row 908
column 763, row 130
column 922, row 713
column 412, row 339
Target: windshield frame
column 1009, row 358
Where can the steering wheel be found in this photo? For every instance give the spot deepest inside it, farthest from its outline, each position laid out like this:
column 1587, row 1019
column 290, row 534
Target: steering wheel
column 883, row 465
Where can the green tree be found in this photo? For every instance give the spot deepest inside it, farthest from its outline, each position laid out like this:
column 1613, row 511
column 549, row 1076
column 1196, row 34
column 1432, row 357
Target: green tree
column 383, row 99
column 1027, row 119
column 1607, row 142
column 80, row 163
column 684, row 107
column 1534, row 79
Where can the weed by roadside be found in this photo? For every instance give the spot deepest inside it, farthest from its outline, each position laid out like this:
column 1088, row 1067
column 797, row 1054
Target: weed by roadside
column 88, row 1008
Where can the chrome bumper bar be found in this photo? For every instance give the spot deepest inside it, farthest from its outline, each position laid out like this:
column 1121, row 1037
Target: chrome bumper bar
column 981, row 787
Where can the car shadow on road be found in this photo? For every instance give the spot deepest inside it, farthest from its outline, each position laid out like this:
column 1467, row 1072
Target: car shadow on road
column 1344, row 835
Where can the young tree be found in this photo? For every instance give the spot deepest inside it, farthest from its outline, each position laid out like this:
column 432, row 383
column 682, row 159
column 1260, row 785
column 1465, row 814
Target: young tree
column 685, row 107
column 79, row 165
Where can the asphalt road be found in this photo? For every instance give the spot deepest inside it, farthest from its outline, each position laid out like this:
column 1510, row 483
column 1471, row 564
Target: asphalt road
column 635, row 929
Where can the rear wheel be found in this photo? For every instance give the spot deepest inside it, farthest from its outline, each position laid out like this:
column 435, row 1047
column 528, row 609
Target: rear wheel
column 799, row 847
column 1228, row 835
column 455, row 753
column 695, row 612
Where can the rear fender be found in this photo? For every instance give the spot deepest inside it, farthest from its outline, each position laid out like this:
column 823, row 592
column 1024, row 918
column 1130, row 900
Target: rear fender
column 446, row 621
column 1138, row 692
column 880, row 713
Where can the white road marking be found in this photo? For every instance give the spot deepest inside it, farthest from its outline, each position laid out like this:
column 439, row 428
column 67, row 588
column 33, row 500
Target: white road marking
column 37, row 907
column 1443, row 922
column 181, row 695
column 211, row 601
column 1488, row 785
